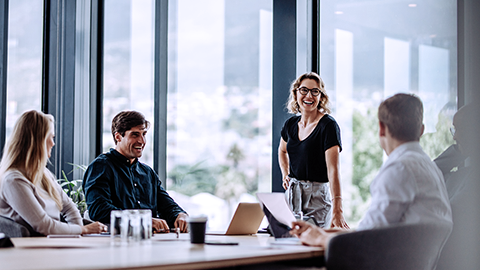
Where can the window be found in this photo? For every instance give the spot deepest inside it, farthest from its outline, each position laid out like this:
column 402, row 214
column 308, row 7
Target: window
column 219, row 104
column 128, row 65
column 371, row 50
column 24, row 68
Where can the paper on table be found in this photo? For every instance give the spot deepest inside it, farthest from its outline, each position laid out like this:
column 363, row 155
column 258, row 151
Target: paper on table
column 277, row 205
column 44, row 242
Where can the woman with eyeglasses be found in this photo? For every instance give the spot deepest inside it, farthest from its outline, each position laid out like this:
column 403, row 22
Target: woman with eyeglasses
column 29, row 193
column 308, row 154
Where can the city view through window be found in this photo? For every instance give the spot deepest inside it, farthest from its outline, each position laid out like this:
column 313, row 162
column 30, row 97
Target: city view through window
column 219, row 103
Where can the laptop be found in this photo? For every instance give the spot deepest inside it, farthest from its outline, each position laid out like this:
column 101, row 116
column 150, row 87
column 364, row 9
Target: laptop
column 246, row 220
column 279, row 216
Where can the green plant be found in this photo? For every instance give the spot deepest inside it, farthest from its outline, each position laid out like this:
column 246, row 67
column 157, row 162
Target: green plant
column 367, row 159
column 74, row 189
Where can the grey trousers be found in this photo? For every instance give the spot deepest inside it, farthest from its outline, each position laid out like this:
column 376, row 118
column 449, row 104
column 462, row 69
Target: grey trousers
column 312, row 198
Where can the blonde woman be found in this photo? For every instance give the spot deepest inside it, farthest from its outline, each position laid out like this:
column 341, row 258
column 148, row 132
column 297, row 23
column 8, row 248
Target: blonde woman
column 29, row 193
column 308, row 154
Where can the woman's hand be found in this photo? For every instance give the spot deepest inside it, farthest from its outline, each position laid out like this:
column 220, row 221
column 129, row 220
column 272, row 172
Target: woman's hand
column 338, row 221
column 95, row 227
column 286, row 182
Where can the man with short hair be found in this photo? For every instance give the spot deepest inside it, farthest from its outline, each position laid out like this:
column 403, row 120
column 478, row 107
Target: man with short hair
column 409, row 188
column 117, row 180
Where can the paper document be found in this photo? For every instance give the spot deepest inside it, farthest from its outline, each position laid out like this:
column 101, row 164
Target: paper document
column 277, row 205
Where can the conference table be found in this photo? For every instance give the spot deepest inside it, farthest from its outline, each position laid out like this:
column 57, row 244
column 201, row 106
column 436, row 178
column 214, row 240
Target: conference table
column 163, row 251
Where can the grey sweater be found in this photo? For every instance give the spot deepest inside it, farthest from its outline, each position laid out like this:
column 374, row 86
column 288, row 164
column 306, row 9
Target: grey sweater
column 31, row 205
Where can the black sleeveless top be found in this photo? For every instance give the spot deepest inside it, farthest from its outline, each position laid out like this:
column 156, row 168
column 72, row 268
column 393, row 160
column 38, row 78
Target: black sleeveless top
column 307, row 157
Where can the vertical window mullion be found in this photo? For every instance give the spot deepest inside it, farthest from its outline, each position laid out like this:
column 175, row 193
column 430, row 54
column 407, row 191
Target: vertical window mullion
column 96, row 77
column 3, row 70
column 284, row 72
column 160, row 89
column 59, row 79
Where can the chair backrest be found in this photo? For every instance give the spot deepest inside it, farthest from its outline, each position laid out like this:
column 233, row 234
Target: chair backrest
column 405, row 246
column 12, row 229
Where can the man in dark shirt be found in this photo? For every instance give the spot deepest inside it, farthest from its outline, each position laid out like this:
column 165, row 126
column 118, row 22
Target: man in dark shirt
column 459, row 164
column 117, row 180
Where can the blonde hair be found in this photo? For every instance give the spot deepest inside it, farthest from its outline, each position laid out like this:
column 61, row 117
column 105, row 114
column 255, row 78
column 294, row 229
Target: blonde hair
column 26, row 151
column 292, row 105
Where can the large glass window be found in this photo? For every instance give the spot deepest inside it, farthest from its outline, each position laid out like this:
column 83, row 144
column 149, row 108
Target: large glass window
column 128, row 65
column 219, row 104
column 371, row 50
column 24, row 68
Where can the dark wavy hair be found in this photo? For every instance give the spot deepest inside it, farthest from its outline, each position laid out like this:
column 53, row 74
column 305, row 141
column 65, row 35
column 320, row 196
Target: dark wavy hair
column 126, row 120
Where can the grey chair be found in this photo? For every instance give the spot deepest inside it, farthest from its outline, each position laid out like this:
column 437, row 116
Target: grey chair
column 12, row 229
column 403, row 246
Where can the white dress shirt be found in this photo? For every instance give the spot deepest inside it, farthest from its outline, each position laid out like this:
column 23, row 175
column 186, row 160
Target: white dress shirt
column 408, row 189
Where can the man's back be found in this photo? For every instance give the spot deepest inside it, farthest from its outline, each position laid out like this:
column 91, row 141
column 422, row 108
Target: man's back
column 408, row 189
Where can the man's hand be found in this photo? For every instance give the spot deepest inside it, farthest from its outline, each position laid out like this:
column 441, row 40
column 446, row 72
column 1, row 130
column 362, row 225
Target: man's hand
column 310, row 235
column 160, row 226
column 181, row 222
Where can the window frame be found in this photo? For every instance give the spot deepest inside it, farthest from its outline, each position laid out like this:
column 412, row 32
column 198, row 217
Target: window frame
column 3, row 70
column 59, row 73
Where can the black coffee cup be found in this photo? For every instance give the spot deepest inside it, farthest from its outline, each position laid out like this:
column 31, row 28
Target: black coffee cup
column 197, row 227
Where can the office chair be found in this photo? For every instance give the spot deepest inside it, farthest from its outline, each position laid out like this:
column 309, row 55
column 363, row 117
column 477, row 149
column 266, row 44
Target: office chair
column 405, row 246
column 12, row 229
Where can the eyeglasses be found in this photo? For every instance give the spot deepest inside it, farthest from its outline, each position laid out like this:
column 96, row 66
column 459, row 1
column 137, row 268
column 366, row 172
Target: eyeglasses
column 453, row 131
column 304, row 91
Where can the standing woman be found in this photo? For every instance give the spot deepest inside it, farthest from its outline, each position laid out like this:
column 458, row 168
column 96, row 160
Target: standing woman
column 29, row 193
column 308, row 154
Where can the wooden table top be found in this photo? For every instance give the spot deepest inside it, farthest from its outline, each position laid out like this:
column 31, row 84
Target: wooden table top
column 164, row 251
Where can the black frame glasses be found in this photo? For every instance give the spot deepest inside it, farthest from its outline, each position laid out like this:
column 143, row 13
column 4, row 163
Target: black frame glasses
column 304, row 91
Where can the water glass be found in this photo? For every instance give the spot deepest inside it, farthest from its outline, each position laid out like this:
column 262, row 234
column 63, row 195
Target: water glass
column 117, row 218
column 130, row 226
column 134, row 228
column 146, row 224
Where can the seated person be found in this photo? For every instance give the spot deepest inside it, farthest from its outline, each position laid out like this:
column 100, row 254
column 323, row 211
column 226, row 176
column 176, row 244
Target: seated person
column 117, row 180
column 29, row 193
column 452, row 162
column 409, row 187
column 459, row 163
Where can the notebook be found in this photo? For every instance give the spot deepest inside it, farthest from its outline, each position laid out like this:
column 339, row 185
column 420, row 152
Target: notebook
column 246, row 220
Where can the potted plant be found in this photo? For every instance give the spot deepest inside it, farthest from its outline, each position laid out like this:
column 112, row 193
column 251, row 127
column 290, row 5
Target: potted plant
column 74, row 190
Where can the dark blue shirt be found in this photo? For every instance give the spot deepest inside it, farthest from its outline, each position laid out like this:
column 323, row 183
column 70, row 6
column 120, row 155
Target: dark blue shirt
column 112, row 183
